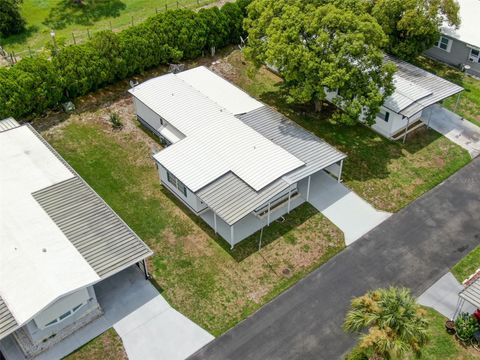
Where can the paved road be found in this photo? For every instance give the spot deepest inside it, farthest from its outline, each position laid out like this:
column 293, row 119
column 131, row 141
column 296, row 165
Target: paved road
column 412, row 248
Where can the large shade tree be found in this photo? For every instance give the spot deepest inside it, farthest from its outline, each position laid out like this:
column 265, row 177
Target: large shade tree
column 396, row 325
column 413, row 26
column 11, row 21
column 320, row 49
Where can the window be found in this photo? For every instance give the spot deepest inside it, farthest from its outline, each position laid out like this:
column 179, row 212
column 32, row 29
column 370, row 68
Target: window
column 177, row 183
column 444, row 43
column 64, row 315
column 383, row 116
column 474, row 55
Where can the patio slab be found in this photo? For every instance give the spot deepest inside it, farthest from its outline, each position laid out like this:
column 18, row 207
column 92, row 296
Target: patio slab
column 352, row 214
column 454, row 127
column 443, row 296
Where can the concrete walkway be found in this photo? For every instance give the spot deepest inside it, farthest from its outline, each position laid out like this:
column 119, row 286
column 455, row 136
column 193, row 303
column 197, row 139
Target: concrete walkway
column 149, row 327
column 413, row 248
column 443, row 296
column 455, row 128
column 348, row 211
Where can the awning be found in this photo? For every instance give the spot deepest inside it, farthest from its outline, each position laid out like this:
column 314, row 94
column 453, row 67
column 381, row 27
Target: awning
column 471, row 293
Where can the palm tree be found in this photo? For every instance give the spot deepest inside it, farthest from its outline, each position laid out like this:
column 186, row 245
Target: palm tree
column 396, row 323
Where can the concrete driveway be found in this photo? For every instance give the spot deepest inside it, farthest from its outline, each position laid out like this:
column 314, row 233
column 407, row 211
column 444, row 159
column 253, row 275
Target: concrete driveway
column 453, row 127
column 149, row 327
column 348, row 211
column 414, row 248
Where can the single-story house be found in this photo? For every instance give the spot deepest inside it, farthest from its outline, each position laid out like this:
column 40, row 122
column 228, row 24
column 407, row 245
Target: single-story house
column 58, row 239
column 233, row 161
column 461, row 47
column 415, row 90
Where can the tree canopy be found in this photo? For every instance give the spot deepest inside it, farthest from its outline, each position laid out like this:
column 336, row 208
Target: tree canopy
column 320, row 49
column 11, row 22
column 413, row 26
column 396, row 323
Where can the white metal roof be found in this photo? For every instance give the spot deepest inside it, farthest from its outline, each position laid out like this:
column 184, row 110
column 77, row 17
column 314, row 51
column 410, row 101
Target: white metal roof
column 216, row 141
column 406, row 93
column 416, row 89
column 220, row 91
column 56, row 234
column 38, row 264
column 468, row 31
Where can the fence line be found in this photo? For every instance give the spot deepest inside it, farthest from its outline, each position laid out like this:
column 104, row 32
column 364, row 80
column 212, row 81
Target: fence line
column 77, row 37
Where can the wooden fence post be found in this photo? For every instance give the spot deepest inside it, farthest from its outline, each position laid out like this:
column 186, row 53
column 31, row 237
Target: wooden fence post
column 177, row 4
column 132, row 20
column 74, row 40
column 88, row 33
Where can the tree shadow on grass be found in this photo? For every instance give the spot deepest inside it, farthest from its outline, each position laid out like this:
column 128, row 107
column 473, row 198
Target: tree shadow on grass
column 369, row 153
column 20, row 38
column 86, row 12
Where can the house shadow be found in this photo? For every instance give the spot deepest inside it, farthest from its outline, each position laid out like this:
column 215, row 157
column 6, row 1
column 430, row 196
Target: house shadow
column 369, row 153
column 86, row 12
column 251, row 244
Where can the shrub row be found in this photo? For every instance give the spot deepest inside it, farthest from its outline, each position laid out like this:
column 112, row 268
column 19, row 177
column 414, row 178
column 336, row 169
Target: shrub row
column 36, row 84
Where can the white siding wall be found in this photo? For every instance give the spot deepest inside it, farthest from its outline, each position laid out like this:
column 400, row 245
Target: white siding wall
column 191, row 199
column 153, row 119
column 147, row 114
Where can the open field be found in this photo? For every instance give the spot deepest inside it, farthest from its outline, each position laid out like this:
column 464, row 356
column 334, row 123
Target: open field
column 469, row 104
column 388, row 174
column 67, row 16
column 468, row 265
column 201, row 277
column 105, row 347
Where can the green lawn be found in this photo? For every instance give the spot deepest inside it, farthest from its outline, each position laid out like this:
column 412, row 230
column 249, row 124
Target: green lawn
column 65, row 17
column 199, row 274
column 468, row 265
column 107, row 346
column 469, row 105
column 388, row 174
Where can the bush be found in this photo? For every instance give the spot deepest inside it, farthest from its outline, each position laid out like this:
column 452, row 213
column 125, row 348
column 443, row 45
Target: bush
column 465, row 326
column 34, row 85
column 116, row 121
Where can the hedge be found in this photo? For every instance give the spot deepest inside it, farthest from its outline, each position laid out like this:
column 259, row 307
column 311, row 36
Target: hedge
column 35, row 84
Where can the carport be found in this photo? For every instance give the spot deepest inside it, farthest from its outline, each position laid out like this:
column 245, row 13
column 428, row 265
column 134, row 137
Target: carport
column 470, row 294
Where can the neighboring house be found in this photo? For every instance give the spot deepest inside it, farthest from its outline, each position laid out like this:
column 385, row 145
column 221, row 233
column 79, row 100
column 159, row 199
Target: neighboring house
column 415, row 90
column 233, row 161
column 461, row 47
column 58, row 239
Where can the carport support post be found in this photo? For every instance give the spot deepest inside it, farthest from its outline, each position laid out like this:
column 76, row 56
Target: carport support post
column 215, row 222
column 456, row 103
column 268, row 215
column 429, row 117
column 308, row 188
column 339, row 178
column 406, row 130
column 231, row 237
column 289, row 193
column 145, row 270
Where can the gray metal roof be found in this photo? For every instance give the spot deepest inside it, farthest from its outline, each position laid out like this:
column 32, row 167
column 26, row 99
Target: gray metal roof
column 7, row 321
column 8, row 123
column 232, row 199
column 417, row 89
column 99, row 235
column 313, row 151
column 472, row 293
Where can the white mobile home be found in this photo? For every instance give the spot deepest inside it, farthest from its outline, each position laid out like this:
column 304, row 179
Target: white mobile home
column 415, row 90
column 58, row 239
column 235, row 162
